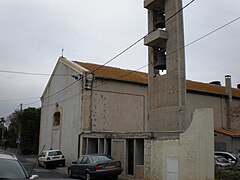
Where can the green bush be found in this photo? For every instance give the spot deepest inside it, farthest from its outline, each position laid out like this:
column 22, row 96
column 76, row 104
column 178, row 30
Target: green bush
column 224, row 174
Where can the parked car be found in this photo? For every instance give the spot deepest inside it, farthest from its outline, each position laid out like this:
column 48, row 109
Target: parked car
column 51, row 158
column 229, row 156
column 11, row 168
column 95, row 166
column 222, row 163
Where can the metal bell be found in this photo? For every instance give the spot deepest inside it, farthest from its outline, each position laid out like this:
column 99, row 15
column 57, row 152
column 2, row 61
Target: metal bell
column 159, row 19
column 160, row 60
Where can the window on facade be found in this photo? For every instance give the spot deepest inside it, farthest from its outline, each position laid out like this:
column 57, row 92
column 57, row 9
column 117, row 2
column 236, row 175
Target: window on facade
column 130, row 155
column 109, row 147
column 56, row 118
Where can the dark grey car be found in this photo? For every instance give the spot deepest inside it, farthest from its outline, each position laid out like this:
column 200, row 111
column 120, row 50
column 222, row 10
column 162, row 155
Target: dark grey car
column 95, row 166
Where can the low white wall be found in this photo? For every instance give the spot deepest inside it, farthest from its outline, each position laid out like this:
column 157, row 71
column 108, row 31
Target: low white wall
column 189, row 158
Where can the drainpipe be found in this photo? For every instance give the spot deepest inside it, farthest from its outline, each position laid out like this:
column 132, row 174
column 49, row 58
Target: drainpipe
column 229, row 99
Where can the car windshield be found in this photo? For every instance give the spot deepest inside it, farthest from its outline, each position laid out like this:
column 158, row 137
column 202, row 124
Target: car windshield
column 221, row 159
column 101, row 158
column 11, row 169
column 54, row 153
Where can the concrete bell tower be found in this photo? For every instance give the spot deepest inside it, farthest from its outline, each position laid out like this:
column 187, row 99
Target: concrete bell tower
column 166, row 62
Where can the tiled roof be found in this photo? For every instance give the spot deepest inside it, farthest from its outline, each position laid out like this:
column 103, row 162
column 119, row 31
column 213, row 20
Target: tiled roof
column 229, row 132
column 115, row 73
column 141, row 77
column 210, row 88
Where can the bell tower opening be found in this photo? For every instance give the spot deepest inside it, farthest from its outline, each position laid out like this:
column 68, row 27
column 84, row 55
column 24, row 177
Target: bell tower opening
column 160, row 67
column 166, row 70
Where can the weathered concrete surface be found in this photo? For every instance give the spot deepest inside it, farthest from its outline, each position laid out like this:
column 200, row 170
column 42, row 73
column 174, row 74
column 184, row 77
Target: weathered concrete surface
column 187, row 158
column 166, row 92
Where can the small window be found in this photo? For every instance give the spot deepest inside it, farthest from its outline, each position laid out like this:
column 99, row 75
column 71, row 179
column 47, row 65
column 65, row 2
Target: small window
column 79, row 161
column 88, row 160
column 84, row 160
column 56, row 119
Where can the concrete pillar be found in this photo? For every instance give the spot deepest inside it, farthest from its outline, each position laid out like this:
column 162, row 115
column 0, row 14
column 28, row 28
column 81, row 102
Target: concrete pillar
column 166, row 85
column 86, row 123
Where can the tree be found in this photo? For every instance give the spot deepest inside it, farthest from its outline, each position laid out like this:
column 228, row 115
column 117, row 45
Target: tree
column 30, row 124
column 11, row 134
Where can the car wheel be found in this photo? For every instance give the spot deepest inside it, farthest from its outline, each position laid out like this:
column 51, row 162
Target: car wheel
column 115, row 177
column 45, row 165
column 39, row 164
column 70, row 173
column 63, row 164
column 88, row 177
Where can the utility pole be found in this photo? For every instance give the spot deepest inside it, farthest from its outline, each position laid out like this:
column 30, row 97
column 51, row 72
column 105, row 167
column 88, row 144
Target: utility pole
column 2, row 126
column 18, row 141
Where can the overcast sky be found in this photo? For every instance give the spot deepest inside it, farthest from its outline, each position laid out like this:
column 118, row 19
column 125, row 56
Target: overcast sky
column 33, row 32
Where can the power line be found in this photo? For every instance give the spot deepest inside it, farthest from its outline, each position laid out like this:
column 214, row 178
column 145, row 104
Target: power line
column 198, row 39
column 136, row 42
column 8, row 111
column 144, row 65
column 63, row 89
column 62, row 100
column 123, row 75
column 31, row 103
column 25, row 73
column 179, row 10
column 21, row 99
column 189, row 44
column 126, row 49
column 29, row 73
column 206, row 35
column 119, row 54
column 147, row 65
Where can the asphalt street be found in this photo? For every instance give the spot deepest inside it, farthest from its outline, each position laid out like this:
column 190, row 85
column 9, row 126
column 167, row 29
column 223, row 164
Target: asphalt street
column 30, row 164
column 58, row 173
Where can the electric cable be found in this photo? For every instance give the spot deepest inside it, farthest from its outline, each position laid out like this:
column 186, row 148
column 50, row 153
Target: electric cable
column 198, row 39
column 29, row 73
column 136, row 42
column 21, row 99
column 189, row 44
column 136, row 70
column 206, row 35
column 119, row 54
column 6, row 112
column 126, row 49
column 27, row 104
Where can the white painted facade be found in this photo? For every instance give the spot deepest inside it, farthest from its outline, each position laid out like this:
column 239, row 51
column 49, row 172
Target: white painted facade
column 87, row 105
column 68, row 102
column 106, row 115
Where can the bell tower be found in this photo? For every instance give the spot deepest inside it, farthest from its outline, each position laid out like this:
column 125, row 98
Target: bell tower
column 166, row 66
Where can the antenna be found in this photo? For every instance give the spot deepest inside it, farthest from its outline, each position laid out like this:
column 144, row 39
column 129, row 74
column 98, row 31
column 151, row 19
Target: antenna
column 30, row 173
column 62, row 52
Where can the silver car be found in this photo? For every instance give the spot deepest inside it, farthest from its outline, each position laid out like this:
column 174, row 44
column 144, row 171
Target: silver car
column 11, row 168
column 222, row 163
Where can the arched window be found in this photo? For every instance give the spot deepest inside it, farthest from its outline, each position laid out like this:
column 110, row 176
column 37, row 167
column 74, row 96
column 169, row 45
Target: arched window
column 56, row 119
